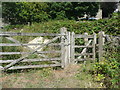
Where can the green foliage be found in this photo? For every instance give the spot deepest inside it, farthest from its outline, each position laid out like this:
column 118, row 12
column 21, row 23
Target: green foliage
column 23, row 12
column 108, row 70
column 72, row 10
column 109, row 26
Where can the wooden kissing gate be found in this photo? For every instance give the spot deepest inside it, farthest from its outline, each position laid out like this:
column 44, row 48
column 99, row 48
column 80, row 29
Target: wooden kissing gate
column 73, row 49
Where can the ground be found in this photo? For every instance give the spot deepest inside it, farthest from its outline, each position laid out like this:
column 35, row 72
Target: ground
column 70, row 77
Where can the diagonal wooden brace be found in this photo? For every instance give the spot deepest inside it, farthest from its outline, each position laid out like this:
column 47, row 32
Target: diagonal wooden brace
column 22, row 58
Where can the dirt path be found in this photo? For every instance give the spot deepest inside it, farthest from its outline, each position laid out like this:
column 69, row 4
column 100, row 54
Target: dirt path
column 71, row 77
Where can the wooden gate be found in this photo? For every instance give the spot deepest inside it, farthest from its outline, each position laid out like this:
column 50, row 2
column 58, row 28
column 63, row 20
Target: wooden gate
column 54, row 57
column 62, row 49
column 82, row 47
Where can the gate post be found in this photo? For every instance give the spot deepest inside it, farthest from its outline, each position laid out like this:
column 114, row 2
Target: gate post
column 94, row 47
column 86, row 41
column 100, row 45
column 72, row 48
column 64, row 47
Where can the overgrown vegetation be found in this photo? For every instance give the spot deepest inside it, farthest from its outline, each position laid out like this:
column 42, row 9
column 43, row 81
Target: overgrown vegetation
column 109, row 26
column 107, row 71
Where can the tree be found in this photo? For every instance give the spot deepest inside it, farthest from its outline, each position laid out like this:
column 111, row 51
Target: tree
column 72, row 10
column 108, row 8
column 23, row 12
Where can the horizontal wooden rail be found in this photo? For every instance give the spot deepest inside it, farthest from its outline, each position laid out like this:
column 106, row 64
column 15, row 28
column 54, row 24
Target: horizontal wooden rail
column 32, row 60
column 83, row 46
column 25, row 44
column 28, row 34
column 83, row 36
column 83, row 54
column 84, row 59
column 33, row 66
column 41, row 52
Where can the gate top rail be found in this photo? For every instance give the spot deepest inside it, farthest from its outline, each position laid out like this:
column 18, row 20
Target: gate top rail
column 83, row 36
column 28, row 34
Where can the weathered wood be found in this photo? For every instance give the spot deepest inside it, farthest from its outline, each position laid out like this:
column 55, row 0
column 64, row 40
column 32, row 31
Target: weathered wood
column 83, row 59
column 101, row 43
column 108, row 38
column 72, row 47
column 84, row 50
column 90, row 46
column 66, row 47
column 67, row 51
column 83, row 36
column 28, row 34
column 11, row 53
column 86, row 41
column 94, row 46
column 38, row 52
column 69, row 46
column 12, row 39
column 62, row 30
column 25, row 44
column 22, row 58
column 34, row 66
column 32, row 60
column 49, row 52
column 82, row 54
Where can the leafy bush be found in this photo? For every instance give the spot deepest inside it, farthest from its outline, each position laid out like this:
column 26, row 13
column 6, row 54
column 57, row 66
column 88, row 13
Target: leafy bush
column 107, row 71
column 109, row 26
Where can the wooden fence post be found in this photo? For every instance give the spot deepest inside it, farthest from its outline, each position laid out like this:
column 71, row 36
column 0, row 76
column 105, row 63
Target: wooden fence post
column 86, row 41
column 66, row 53
column 72, row 48
column 64, row 47
column 100, row 45
column 69, row 47
column 94, row 46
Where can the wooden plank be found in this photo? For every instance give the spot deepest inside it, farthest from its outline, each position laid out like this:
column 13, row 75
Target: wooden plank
column 38, row 52
column 72, row 47
column 83, row 36
column 76, row 46
column 32, row 60
column 29, row 44
column 69, row 47
column 86, row 41
column 94, row 47
column 34, row 66
column 12, row 39
column 22, row 58
column 11, row 53
column 28, row 34
column 83, row 59
column 77, row 54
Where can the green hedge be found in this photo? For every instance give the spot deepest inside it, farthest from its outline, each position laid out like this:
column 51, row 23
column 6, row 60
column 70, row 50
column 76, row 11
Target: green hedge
column 110, row 26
